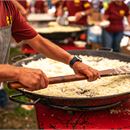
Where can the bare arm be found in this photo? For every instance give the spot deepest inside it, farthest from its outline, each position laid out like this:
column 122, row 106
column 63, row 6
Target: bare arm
column 49, row 49
column 32, row 79
column 52, row 51
column 81, row 14
column 8, row 72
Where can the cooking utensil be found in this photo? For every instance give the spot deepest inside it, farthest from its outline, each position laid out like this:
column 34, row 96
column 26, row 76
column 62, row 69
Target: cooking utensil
column 70, row 78
column 62, row 34
column 71, row 102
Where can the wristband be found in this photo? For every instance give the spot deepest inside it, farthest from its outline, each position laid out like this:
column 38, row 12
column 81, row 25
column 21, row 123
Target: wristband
column 75, row 59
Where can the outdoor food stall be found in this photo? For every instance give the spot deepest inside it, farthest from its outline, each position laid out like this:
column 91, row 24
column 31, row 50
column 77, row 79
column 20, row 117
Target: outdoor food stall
column 103, row 103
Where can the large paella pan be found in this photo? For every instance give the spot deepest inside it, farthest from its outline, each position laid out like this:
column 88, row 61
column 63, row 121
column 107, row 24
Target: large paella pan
column 82, row 103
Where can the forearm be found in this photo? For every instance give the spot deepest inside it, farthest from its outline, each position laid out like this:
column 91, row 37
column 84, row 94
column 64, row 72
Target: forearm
column 8, row 73
column 49, row 49
column 86, row 12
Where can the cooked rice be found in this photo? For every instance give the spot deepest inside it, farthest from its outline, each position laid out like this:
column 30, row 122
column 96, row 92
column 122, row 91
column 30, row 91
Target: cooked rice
column 102, row 87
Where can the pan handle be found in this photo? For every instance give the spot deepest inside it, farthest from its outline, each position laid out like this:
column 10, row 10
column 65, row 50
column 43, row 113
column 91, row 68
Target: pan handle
column 52, row 80
column 63, row 79
column 15, row 96
column 17, row 58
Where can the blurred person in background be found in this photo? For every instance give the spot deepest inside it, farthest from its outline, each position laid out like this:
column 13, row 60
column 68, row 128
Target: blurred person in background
column 12, row 24
column 94, row 31
column 58, row 6
column 74, row 12
column 38, row 6
column 113, row 34
column 78, row 8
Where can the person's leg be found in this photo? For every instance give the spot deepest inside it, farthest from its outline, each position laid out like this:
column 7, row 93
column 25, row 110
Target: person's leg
column 117, row 41
column 107, row 39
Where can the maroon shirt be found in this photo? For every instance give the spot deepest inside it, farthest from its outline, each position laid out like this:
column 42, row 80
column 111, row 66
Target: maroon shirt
column 75, row 6
column 115, row 15
column 39, row 6
column 23, row 3
column 21, row 30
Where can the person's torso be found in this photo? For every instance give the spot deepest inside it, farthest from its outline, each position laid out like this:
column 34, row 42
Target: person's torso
column 39, row 6
column 116, row 15
column 5, row 31
column 24, row 3
column 74, row 6
column 6, row 17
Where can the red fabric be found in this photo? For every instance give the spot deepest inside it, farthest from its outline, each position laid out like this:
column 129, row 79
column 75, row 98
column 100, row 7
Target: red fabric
column 21, row 30
column 23, row 3
column 117, row 117
column 39, row 6
column 75, row 6
column 116, row 14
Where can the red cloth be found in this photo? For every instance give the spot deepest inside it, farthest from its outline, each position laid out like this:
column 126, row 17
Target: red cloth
column 39, row 6
column 75, row 6
column 23, row 3
column 116, row 14
column 21, row 30
column 117, row 117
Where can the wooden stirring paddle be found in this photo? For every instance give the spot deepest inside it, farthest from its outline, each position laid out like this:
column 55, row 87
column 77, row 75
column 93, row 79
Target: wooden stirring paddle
column 69, row 78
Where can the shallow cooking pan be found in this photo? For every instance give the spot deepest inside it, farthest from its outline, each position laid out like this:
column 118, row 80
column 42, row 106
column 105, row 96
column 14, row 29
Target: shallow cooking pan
column 83, row 103
column 57, row 34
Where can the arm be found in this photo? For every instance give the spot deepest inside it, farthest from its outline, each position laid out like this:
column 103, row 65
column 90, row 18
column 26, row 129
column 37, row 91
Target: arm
column 32, row 79
column 49, row 49
column 35, row 79
column 81, row 14
column 52, row 51
column 86, row 10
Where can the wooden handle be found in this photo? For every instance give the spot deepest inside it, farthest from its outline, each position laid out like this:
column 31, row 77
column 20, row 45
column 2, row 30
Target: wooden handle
column 52, row 80
column 61, row 79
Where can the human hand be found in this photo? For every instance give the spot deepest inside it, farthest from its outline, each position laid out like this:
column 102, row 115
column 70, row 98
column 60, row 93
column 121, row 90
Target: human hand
column 33, row 79
column 78, row 16
column 83, row 69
